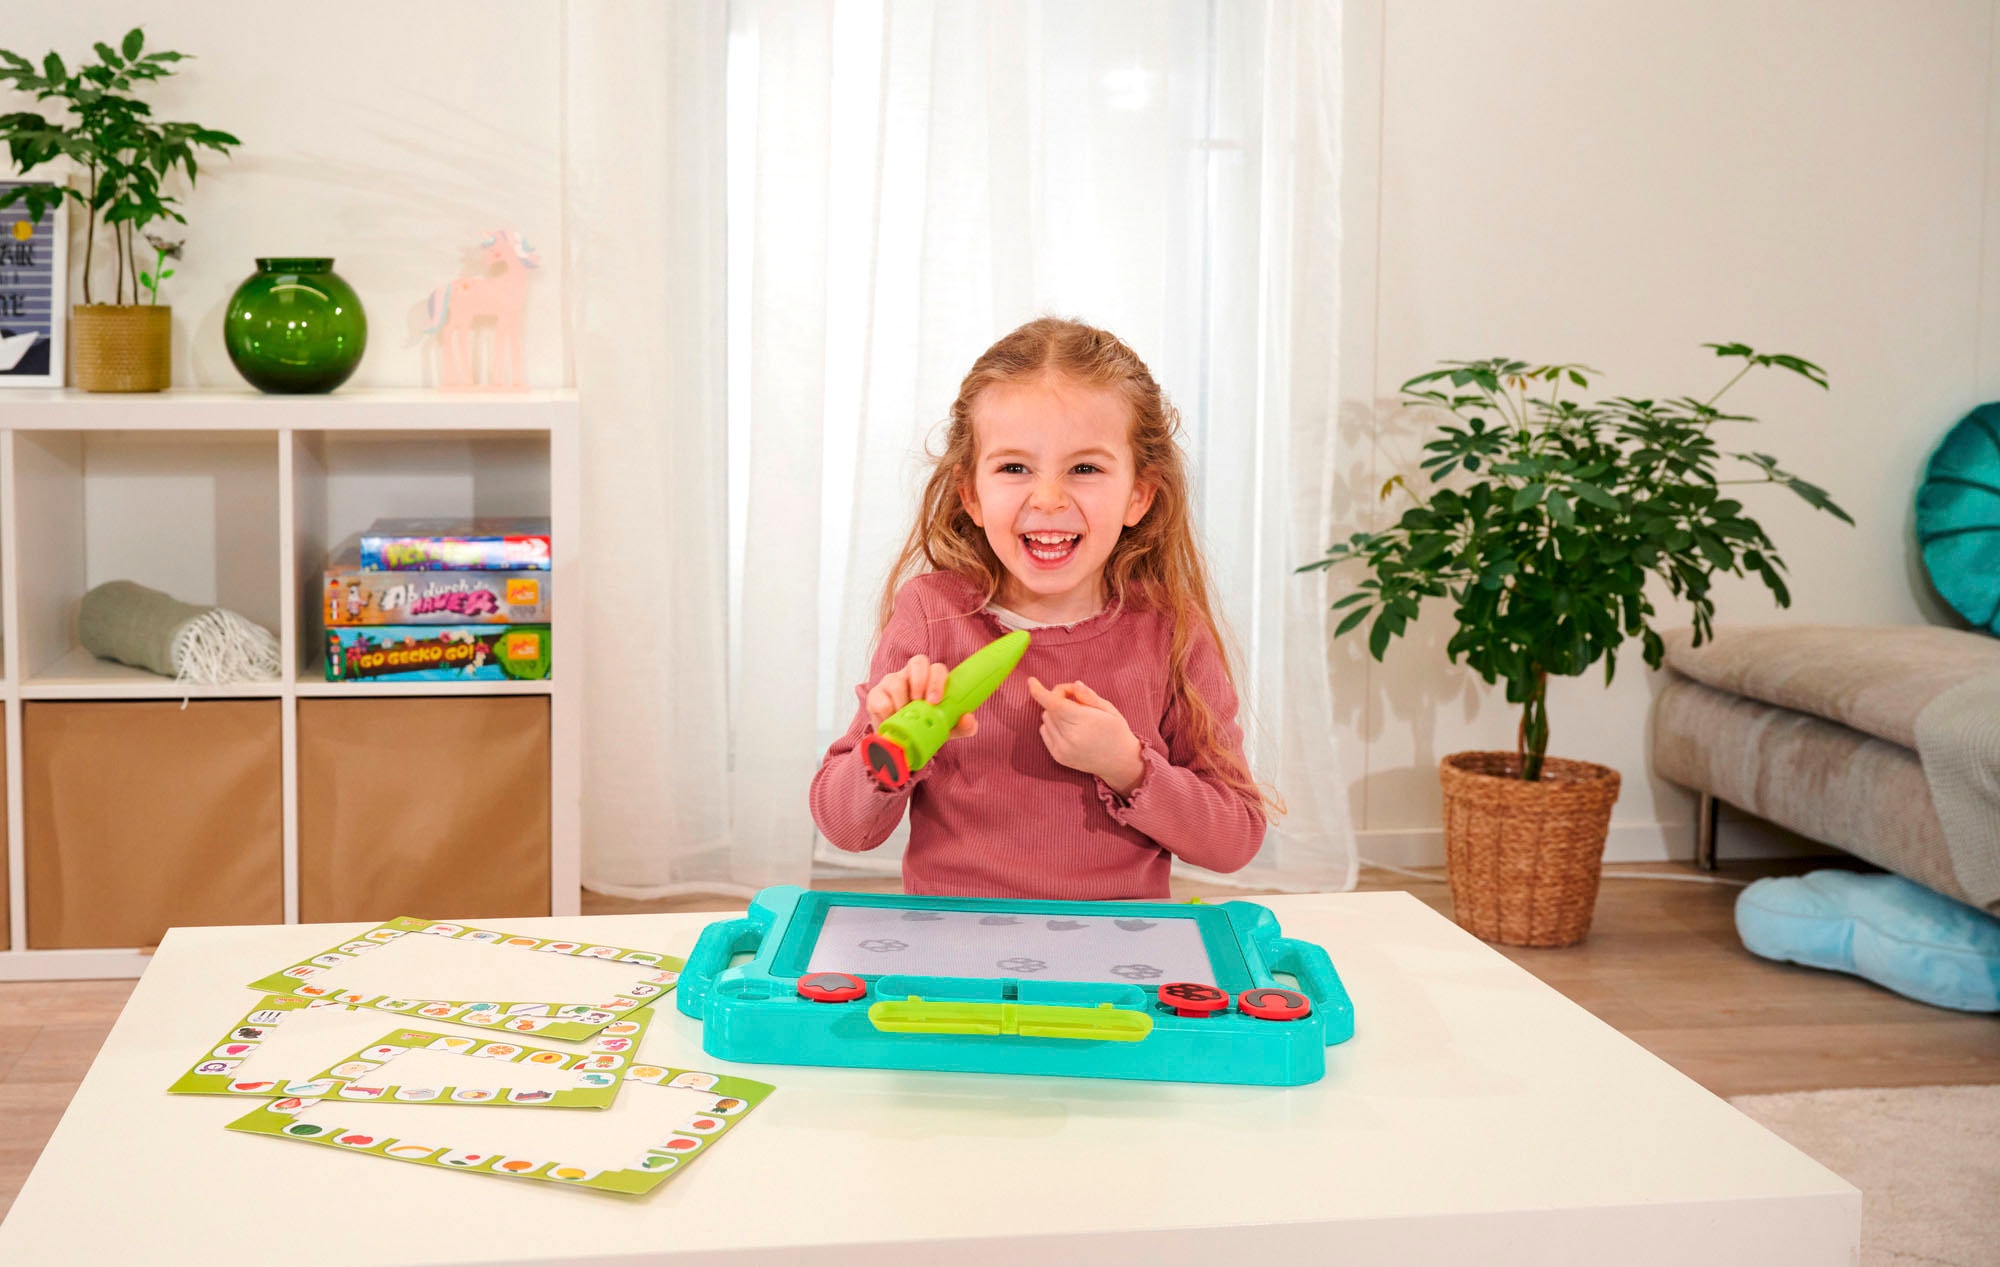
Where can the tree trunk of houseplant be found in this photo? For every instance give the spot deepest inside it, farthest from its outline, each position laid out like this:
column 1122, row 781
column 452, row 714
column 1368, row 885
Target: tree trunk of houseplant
column 122, row 347
column 1524, row 857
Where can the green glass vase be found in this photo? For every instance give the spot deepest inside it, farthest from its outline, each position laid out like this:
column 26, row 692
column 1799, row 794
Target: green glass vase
column 295, row 326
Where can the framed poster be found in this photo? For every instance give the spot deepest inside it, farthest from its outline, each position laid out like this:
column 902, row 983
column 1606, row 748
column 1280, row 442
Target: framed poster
column 34, row 304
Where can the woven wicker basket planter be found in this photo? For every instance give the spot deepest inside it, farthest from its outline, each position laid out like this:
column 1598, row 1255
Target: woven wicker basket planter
column 122, row 347
column 1524, row 858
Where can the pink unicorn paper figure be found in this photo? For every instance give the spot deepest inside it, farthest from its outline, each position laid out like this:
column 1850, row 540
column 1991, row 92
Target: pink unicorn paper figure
column 457, row 308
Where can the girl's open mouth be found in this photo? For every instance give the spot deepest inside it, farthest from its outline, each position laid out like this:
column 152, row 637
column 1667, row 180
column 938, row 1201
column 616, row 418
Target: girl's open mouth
column 1049, row 549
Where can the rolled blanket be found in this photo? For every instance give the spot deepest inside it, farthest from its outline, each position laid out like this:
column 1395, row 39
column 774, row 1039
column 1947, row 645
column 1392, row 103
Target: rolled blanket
column 142, row 627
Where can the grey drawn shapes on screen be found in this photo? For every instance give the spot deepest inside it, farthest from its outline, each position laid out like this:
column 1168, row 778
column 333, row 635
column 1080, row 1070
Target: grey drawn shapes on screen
column 1137, row 971
column 1021, row 964
column 995, row 921
column 919, row 917
column 1065, row 925
column 884, row 945
column 1133, row 925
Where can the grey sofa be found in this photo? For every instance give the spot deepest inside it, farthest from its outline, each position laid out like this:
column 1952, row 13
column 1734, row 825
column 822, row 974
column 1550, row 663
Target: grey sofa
column 1855, row 737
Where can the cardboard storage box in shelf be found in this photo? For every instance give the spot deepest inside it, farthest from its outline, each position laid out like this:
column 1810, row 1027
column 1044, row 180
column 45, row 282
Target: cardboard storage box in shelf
column 423, row 804
column 140, row 816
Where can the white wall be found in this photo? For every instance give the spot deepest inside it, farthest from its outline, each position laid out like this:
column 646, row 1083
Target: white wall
column 1618, row 183
column 1559, row 179
column 390, row 136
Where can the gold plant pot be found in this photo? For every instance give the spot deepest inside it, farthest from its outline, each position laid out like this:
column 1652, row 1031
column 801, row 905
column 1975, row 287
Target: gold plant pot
column 1524, row 858
column 122, row 347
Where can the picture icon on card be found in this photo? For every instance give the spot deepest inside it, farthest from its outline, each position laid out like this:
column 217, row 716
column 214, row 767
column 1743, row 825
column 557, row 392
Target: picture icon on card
column 459, row 1157
column 517, row 1166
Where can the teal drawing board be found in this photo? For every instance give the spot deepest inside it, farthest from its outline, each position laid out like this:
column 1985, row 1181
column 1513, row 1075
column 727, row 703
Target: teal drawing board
column 1155, row 990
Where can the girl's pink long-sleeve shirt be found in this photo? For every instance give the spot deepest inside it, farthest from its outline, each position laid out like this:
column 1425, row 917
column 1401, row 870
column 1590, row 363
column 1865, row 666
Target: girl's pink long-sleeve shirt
column 994, row 815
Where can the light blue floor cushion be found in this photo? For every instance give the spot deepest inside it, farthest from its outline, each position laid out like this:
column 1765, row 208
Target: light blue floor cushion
column 1893, row 932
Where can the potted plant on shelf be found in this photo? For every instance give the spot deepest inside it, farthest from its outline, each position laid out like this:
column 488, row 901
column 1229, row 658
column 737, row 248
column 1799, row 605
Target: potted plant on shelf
column 125, row 157
column 1544, row 521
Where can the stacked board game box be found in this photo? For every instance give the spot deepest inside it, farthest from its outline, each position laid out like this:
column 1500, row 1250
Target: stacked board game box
column 440, row 599
column 456, row 545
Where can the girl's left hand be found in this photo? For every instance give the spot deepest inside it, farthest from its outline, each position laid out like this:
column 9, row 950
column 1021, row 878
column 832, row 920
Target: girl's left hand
column 1084, row 731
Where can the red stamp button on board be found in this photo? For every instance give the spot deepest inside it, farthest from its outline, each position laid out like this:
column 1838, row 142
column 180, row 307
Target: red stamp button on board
column 1191, row 998
column 1272, row 1004
column 831, row 987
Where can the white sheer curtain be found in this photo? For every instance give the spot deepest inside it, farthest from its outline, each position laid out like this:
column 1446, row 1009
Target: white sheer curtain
column 907, row 180
column 666, row 808
column 1166, row 170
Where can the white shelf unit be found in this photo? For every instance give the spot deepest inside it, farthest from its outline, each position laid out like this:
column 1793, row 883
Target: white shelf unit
column 235, row 498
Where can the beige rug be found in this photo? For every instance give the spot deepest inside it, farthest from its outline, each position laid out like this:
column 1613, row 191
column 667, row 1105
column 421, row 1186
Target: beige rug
column 1927, row 1161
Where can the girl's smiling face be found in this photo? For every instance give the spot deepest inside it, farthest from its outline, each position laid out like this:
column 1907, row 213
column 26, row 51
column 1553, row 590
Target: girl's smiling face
column 1053, row 485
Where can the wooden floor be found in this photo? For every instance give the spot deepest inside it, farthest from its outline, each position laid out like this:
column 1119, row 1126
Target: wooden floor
column 1662, row 964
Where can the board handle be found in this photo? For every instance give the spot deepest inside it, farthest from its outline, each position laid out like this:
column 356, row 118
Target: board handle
column 718, row 944
column 1310, row 965
column 1103, row 1023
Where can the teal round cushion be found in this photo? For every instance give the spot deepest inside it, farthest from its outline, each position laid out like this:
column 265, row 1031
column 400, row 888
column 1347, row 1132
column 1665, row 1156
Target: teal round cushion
column 1958, row 518
column 1895, row 933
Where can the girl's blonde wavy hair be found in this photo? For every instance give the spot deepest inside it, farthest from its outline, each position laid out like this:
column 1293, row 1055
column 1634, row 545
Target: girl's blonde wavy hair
column 1155, row 565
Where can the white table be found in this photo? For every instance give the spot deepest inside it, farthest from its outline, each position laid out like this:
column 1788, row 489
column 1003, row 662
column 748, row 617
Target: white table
column 1476, row 1117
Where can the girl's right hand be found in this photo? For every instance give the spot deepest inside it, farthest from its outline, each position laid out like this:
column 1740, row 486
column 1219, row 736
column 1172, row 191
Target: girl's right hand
column 922, row 679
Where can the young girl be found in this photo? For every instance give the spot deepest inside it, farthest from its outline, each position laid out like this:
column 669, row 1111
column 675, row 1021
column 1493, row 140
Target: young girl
column 1060, row 505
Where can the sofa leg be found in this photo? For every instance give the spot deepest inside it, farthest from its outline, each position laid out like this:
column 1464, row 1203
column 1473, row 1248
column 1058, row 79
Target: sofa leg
column 1706, row 813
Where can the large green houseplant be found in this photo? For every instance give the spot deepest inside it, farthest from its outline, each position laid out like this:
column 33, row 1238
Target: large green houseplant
column 125, row 158
column 1546, row 524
